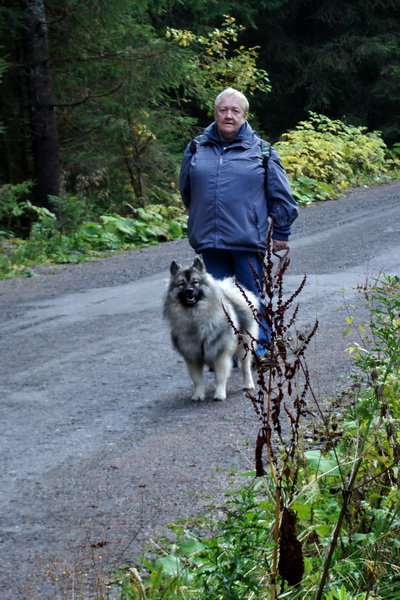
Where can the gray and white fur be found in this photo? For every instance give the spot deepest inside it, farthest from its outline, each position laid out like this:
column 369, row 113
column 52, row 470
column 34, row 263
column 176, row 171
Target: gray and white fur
column 194, row 308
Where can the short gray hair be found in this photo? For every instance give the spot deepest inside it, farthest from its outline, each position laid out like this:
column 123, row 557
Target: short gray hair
column 232, row 92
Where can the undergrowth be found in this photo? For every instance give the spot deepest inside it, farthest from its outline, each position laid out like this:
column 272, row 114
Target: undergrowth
column 323, row 158
column 66, row 239
column 315, row 521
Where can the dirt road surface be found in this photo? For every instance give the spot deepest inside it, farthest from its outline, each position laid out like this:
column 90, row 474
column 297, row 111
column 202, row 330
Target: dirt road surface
column 101, row 446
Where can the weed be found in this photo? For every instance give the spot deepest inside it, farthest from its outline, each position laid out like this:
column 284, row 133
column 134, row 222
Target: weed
column 317, row 523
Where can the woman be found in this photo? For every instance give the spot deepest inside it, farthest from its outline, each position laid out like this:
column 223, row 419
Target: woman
column 231, row 192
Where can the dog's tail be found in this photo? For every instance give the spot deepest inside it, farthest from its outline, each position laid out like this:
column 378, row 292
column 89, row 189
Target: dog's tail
column 238, row 295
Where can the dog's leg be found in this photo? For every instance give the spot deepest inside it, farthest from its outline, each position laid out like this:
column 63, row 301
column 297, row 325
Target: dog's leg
column 196, row 374
column 244, row 364
column 222, row 368
column 248, row 383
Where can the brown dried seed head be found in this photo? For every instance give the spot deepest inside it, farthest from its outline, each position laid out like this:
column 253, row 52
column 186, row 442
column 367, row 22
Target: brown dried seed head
column 291, row 562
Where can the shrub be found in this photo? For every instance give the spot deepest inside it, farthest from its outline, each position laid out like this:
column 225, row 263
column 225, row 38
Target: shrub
column 324, row 157
column 12, row 208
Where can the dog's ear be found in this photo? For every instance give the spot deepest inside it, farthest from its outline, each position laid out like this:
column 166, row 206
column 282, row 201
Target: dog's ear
column 174, row 268
column 198, row 264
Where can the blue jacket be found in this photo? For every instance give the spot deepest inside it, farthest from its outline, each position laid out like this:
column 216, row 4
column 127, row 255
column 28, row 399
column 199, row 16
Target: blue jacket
column 230, row 194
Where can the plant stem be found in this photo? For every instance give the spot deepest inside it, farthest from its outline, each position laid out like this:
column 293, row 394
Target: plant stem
column 276, row 541
column 347, row 492
column 335, row 535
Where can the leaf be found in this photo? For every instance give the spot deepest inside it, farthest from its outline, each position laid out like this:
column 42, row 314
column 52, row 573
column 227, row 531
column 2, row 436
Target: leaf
column 175, row 229
column 327, row 465
column 303, row 511
column 359, row 537
column 171, row 565
column 192, row 546
column 346, row 331
column 323, row 530
column 308, row 565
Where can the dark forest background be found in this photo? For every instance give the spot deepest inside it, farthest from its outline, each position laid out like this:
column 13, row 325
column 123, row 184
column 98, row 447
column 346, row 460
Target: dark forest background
column 100, row 98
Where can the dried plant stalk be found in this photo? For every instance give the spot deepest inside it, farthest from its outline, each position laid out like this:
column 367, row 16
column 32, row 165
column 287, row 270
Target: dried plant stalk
column 279, row 403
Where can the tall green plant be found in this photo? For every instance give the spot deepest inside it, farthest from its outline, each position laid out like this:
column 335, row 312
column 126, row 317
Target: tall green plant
column 11, row 208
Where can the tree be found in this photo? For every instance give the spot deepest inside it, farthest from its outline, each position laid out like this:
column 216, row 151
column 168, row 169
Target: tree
column 341, row 59
column 100, row 84
column 42, row 117
column 107, row 66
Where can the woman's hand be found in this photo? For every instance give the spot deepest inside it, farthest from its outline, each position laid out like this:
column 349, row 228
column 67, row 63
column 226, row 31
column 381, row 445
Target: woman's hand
column 278, row 245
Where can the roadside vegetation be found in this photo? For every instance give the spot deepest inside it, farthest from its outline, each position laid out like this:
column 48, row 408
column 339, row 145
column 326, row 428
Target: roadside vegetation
column 323, row 159
column 319, row 518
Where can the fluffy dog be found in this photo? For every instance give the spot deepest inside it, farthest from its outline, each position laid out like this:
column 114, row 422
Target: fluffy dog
column 196, row 307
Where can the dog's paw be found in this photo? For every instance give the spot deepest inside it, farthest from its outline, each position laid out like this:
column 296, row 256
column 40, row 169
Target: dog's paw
column 220, row 392
column 197, row 397
column 248, row 386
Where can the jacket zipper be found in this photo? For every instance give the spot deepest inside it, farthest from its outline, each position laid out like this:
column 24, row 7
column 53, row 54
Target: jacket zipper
column 216, row 198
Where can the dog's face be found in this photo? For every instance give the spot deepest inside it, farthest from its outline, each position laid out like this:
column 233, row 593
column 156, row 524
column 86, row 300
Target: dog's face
column 187, row 284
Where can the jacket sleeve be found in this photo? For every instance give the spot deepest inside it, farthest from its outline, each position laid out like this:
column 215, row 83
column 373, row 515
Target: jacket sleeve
column 281, row 205
column 184, row 177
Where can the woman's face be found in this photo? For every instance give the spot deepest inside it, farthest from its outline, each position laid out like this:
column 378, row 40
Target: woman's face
column 229, row 116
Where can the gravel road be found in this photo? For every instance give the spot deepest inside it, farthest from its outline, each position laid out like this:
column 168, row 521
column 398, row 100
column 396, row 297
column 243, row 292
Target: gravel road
column 101, row 445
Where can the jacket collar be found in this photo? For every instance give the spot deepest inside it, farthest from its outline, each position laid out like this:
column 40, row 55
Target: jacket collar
column 243, row 138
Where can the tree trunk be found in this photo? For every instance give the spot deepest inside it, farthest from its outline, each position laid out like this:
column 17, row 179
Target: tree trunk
column 43, row 123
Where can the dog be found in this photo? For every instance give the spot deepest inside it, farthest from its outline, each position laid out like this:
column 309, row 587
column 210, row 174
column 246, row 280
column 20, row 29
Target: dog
column 196, row 307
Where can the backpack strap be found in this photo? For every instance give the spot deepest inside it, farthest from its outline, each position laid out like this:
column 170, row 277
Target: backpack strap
column 194, row 143
column 265, row 152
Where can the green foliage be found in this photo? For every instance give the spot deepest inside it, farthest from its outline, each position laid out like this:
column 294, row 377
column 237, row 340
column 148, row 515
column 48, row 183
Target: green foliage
column 324, row 157
column 66, row 239
column 355, row 469
column 341, row 594
column 377, row 353
column 154, row 224
column 71, row 211
column 133, row 80
column 214, row 66
column 141, row 81
column 223, row 566
column 11, row 208
column 121, row 89
column 235, row 561
column 340, row 59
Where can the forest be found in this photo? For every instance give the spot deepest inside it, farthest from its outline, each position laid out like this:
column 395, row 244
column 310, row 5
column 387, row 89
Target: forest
column 98, row 99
